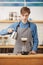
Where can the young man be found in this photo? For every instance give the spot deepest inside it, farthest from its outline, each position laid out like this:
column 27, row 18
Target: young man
column 25, row 31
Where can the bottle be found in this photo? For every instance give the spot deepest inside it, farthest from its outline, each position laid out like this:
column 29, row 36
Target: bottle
column 18, row 18
column 15, row 16
column 11, row 16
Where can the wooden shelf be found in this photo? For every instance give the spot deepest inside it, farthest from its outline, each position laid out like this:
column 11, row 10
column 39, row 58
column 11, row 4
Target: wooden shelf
column 40, row 46
column 37, row 21
column 12, row 46
column 12, row 21
column 7, row 21
column 6, row 46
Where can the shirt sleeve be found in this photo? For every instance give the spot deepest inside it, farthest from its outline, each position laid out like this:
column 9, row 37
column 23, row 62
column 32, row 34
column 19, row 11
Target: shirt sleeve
column 12, row 26
column 35, row 38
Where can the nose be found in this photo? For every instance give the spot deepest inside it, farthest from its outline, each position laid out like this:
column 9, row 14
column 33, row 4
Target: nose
column 24, row 17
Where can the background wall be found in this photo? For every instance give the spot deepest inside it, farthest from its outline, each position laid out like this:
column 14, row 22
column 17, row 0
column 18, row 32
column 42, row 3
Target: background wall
column 36, row 12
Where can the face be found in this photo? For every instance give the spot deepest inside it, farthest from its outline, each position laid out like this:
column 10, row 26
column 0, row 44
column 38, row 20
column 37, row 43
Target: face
column 24, row 17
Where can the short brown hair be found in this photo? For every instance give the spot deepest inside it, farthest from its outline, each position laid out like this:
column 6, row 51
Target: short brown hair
column 24, row 10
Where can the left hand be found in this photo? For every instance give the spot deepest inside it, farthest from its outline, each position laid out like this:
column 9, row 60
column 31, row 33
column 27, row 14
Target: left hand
column 32, row 52
column 10, row 30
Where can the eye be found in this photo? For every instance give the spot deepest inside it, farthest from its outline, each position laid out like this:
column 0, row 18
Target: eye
column 22, row 15
column 26, row 15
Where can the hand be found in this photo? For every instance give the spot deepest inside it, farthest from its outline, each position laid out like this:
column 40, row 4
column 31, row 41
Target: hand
column 10, row 30
column 32, row 52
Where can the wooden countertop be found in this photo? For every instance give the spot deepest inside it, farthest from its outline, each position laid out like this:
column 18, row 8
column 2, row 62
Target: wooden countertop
column 11, row 55
column 11, row 59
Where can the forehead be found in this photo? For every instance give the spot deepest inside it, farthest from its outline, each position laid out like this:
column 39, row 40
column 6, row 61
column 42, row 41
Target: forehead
column 25, row 13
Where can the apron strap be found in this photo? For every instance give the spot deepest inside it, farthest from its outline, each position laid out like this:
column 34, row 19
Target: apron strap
column 28, row 23
column 19, row 24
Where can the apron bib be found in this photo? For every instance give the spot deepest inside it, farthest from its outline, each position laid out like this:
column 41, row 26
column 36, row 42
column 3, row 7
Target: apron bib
column 26, row 46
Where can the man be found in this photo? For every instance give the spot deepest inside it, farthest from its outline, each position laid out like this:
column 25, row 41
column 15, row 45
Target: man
column 25, row 31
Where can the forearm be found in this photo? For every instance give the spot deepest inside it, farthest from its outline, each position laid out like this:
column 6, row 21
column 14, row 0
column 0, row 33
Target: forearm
column 10, row 29
column 35, row 39
column 6, row 31
column 35, row 46
column 3, row 32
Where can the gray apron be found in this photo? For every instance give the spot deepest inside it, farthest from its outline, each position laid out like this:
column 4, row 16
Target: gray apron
column 21, row 46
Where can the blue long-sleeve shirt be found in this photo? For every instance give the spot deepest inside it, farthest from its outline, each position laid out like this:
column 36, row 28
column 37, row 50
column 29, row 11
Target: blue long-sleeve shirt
column 33, row 28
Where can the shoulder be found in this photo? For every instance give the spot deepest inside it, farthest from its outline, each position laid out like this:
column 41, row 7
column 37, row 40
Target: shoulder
column 15, row 23
column 33, row 25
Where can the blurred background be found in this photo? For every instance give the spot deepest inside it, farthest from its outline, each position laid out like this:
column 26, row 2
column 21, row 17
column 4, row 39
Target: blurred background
column 10, row 13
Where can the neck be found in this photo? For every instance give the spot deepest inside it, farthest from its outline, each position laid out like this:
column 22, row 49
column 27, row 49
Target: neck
column 24, row 21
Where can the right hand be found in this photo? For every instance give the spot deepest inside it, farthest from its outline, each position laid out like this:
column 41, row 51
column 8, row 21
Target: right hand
column 32, row 52
column 10, row 30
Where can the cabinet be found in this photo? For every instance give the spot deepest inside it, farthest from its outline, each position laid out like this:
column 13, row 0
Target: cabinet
column 9, row 49
column 6, row 48
column 40, row 49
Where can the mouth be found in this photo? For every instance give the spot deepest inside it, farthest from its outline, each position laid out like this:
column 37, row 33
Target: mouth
column 25, row 19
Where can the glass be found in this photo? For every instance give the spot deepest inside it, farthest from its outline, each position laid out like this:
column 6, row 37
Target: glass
column 4, row 40
column 24, row 46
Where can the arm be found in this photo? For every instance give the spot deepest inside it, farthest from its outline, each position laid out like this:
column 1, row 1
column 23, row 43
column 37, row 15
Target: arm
column 10, row 29
column 35, row 39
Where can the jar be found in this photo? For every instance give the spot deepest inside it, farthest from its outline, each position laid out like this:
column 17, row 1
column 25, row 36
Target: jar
column 4, row 40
